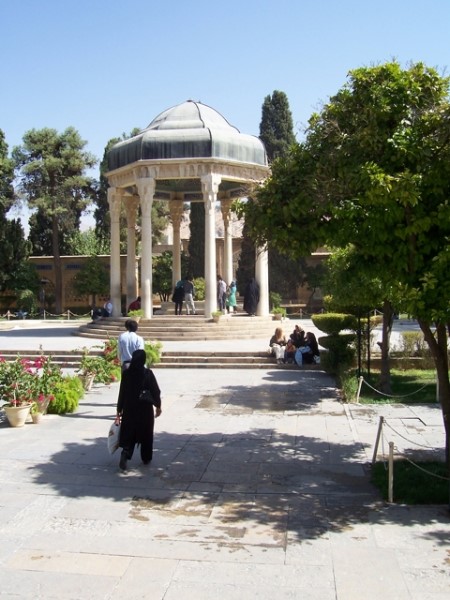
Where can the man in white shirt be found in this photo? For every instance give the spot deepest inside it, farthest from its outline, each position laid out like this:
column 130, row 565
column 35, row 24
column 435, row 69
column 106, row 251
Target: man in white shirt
column 128, row 342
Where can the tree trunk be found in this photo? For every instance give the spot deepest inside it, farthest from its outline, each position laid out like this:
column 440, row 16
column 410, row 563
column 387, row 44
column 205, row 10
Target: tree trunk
column 57, row 266
column 384, row 382
column 439, row 350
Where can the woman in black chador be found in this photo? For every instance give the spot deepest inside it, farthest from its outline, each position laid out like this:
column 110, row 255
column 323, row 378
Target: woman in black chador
column 137, row 416
column 251, row 297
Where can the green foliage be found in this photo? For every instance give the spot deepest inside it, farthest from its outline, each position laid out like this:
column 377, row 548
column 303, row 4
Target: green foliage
column 51, row 176
column 274, row 299
column 426, row 483
column 27, row 301
column 87, row 243
column 333, row 323
column 200, row 288
column 153, row 351
column 162, row 275
column 276, row 127
column 6, row 177
column 14, row 252
column 92, row 279
column 411, row 386
column 67, row 394
column 340, row 355
column 197, row 240
column 247, row 259
column 414, row 344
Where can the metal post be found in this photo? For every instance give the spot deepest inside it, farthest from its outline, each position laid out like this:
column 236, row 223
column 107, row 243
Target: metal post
column 361, row 379
column 377, row 441
column 391, row 473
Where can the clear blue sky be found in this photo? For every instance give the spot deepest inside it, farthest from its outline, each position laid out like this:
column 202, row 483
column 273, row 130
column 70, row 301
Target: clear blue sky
column 106, row 66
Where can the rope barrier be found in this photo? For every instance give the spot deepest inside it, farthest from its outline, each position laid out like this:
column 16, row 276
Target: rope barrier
column 406, row 439
column 395, row 395
column 424, row 470
column 390, row 463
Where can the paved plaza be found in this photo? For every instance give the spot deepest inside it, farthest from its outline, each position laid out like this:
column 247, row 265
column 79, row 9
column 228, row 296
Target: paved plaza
column 259, row 488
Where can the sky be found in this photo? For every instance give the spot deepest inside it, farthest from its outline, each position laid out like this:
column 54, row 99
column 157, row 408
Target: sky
column 108, row 66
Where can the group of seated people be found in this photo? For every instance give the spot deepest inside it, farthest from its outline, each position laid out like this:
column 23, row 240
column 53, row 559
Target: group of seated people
column 301, row 348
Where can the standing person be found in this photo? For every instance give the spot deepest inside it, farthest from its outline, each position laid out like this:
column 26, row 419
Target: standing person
column 189, row 293
column 231, row 298
column 251, row 297
column 128, row 342
column 137, row 417
column 178, row 297
column 221, row 293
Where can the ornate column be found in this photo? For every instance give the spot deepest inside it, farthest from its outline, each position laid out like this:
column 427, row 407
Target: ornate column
column 262, row 277
column 210, row 188
column 131, row 207
column 176, row 212
column 225, row 206
column 115, row 203
column 146, row 190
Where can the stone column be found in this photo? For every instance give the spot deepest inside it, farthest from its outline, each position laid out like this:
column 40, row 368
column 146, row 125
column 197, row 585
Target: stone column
column 131, row 207
column 262, row 277
column 146, row 190
column 210, row 188
column 176, row 212
column 115, row 203
column 227, row 240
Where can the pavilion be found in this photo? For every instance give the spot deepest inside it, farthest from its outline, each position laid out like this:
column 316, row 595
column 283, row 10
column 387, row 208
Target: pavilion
column 188, row 153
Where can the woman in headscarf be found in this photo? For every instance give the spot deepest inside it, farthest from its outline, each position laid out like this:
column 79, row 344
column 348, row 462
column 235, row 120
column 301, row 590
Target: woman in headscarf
column 137, row 416
column 251, row 297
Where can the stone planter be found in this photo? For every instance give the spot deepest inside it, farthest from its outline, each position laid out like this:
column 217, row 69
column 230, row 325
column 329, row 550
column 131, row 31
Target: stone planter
column 87, row 381
column 36, row 417
column 17, row 415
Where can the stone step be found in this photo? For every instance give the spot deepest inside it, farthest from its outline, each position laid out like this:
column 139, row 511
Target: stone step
column 194, row 328
column 170, row 360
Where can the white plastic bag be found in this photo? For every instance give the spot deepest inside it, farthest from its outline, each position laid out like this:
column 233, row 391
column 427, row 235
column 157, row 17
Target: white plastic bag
column 113, row 437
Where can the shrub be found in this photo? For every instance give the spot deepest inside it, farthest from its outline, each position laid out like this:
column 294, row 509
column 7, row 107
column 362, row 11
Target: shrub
column 333, row 323
column 153, row 351
column 200, row 288
column 67, row 394
column 274, row 300
column 341, row 354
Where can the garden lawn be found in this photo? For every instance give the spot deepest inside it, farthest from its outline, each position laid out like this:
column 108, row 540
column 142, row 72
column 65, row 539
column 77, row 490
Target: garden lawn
column 413, row 386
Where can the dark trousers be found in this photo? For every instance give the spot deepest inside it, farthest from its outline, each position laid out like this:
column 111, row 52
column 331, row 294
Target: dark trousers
column 146, row 450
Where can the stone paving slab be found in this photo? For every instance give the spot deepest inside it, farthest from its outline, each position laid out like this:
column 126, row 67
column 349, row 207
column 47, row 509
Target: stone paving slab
column 259, row 488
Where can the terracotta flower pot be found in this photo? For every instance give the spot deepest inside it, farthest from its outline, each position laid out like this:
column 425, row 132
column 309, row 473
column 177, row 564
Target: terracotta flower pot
column 17, row 415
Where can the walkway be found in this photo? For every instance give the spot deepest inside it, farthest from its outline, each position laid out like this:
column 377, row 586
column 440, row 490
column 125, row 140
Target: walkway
column 258, row 489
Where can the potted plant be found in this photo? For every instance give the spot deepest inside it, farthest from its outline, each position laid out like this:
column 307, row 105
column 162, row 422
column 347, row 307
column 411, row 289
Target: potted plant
column 17, row 389
column 278, row 313
column 216, row 315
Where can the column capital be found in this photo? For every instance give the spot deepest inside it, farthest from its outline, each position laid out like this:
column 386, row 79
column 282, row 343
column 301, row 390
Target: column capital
column 210, row 189
column 131, row 207
column 146, row 189
column 115, row 202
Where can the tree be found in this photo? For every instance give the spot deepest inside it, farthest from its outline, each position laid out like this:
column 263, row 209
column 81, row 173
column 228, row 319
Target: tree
column 374, row 171
column 87, row 243
column 196, row 246
column 51, row 170
column 41, row 232
column 14, row 249
column 92, row 279
column 276, row 129
column 6, row 177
